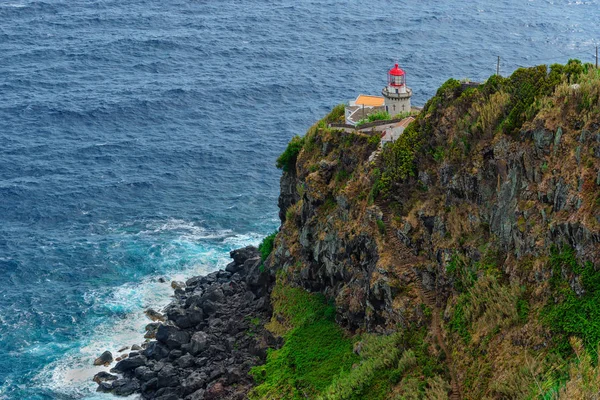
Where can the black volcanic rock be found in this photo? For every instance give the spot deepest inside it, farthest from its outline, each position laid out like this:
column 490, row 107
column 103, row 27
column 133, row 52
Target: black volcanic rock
column 129, row 364
column 205, row 347
column 104, row 359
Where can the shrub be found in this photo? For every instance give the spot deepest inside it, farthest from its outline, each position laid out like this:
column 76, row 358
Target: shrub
column 287, row 159
column 374, row 140
column 337, row 114
column 491, row 111
column 266, row 247
column 379, row 116
column 399, row 156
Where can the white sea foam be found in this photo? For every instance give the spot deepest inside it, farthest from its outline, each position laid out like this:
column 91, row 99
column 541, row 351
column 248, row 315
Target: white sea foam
column 71, row 375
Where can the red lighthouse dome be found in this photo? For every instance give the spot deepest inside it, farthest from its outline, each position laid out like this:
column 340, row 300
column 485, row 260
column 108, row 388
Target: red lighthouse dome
column 396, row 76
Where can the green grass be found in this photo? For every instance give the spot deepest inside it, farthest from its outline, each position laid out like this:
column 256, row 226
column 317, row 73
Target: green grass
column 381, row 226
column 569, row 314
column 315, row 351
column 459, row 322
column 384, row 362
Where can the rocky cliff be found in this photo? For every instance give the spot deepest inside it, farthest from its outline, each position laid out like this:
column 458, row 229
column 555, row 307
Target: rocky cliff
column 473, row 240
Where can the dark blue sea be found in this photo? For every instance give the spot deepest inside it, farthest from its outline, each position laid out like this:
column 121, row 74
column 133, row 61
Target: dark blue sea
column 138, row 140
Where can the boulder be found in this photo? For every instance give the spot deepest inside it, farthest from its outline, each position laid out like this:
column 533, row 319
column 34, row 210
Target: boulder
column 104, row 376
column 105, row 359
column 154, row 315
column 104, row 387
column 156, row 351
column 178, row 285
column 194, row 281
column 172, row 336
column 233, row 267
column 185, row 361
column 129, row 363
column 209, row 307
column 125, row 387
column 136, row 347
column 149, row 386
column 144, row 373
column 198, row 343
column 167, row 376
column 151, row 330
column 239, row 256
column 215, row 293
column 194, row 382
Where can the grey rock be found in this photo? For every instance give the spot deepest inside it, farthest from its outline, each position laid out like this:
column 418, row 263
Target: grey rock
column 177, row 285
column 125, row 387
column 172, row 336
column 197, row 395
column 103, row 376
column 167, row 377
column 154, row 315
column 105, row 387
column 129, row 363
column 144, row 373
column 105, row 358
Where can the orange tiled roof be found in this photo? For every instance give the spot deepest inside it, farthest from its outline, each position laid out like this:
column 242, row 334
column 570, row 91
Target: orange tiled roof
column 369, row 101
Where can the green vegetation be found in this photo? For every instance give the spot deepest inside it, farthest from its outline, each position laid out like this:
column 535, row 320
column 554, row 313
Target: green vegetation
column 399, row 156
column 266, row 247
column 374, row 140
column 315, row 350
column 381, row 226
column 459, row 323
column 569, row 313
column 336, row 115
column 402, row 360
column 382, row 363
column 287, row 160
column 378, row 116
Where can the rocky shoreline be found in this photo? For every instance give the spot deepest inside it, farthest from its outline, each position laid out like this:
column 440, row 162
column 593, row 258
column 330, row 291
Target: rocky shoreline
column 212, row 335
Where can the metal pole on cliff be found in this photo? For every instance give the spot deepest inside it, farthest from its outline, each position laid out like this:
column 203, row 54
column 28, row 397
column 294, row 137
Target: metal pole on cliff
column 596, row 57
column 498, row 66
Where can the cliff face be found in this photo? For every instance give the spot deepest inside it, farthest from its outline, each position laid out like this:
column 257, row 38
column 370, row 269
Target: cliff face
column 466, row 236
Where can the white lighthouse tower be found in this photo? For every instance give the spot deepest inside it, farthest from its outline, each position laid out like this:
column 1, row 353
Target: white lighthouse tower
column 396, row 94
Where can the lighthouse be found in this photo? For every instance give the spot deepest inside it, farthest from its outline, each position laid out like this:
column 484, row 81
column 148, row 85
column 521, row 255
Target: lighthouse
column 396, row 95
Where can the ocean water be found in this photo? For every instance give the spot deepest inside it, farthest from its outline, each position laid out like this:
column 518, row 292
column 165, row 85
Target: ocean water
column 138, row 140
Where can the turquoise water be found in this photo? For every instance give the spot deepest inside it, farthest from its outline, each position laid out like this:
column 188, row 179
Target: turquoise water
column 138, row 140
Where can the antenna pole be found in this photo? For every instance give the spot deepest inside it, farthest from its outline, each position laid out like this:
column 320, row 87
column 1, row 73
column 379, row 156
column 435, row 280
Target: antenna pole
column 596, row 57
column 498, row 66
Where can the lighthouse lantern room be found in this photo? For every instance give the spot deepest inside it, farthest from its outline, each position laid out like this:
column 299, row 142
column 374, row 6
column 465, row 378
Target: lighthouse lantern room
column 396, row 94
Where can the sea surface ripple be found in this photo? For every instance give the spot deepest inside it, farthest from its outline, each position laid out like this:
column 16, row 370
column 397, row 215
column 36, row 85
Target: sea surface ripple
column 138, row 140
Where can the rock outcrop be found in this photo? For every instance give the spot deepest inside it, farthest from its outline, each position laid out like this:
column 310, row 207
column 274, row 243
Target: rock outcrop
column 213, row 334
